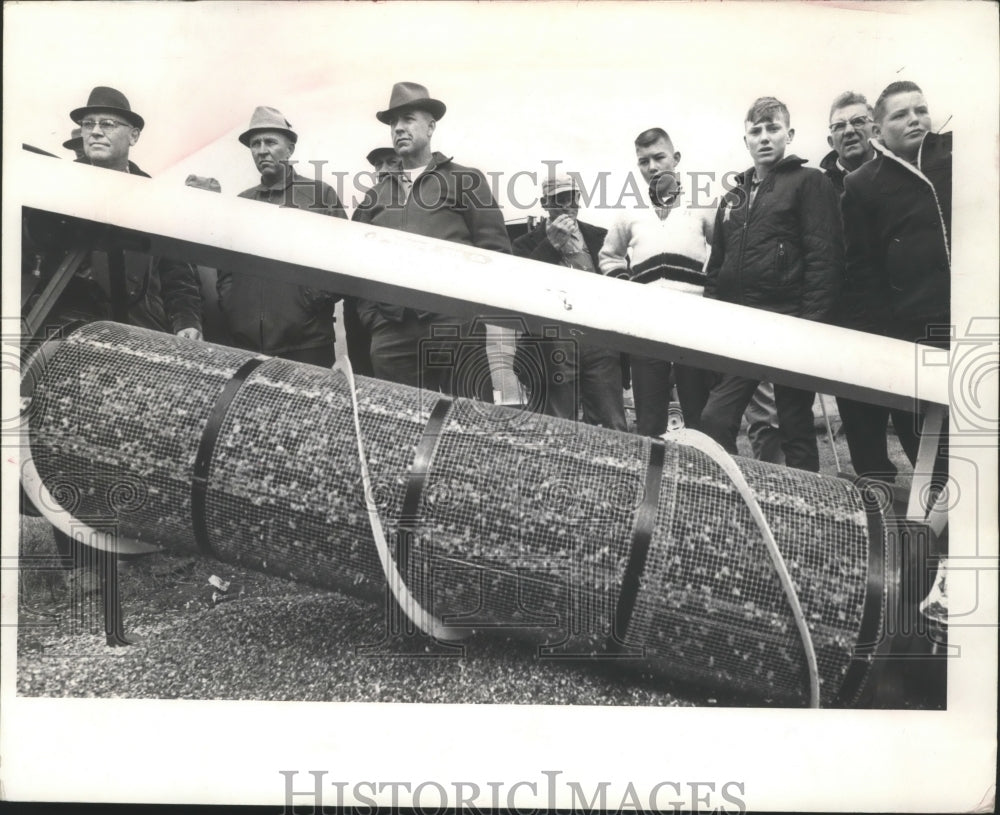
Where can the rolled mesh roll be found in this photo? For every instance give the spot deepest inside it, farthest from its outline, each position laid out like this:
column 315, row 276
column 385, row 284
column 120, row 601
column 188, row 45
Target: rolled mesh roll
column 523, row 523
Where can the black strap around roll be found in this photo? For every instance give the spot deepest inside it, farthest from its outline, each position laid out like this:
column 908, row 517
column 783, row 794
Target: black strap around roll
column 199, row 478
column 642, row 534
column 416, row 480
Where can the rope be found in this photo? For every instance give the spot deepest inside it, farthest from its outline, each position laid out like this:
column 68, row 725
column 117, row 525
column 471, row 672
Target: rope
column 829, row 431
column 693, row 438
column 422, row 619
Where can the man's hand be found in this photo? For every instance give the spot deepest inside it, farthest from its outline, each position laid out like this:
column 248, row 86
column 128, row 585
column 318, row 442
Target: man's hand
column 189, row 333
column 563, row 233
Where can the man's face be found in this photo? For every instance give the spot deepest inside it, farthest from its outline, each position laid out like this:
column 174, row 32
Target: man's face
column 850, row 141
column 411, row 132
column 657, row 158
column 564, row 202
column 904, row 124
column 269, row 149
column 104, row 145
column 767, row 139
column 390, row 164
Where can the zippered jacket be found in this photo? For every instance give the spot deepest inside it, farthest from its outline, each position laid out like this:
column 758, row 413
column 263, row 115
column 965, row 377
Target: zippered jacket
column 784, row 253
column 446, row 201
column 897, row 222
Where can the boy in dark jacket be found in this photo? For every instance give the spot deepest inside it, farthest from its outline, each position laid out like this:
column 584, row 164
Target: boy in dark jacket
column 897, row 226
column 778, row 246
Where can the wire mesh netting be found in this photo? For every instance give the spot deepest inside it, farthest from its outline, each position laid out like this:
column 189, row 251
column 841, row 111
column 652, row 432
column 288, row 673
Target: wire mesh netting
column 524, row 523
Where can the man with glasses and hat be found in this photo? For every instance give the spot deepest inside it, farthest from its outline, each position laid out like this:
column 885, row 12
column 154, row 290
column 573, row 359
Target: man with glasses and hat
column 266, row 315
column 436, row 197
column 127, row 286
column 581, row 375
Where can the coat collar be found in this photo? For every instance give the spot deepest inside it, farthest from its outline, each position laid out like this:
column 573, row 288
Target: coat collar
column 789, row 162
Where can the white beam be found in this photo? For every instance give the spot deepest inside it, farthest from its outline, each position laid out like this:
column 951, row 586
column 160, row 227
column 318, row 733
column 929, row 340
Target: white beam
column 224, row 231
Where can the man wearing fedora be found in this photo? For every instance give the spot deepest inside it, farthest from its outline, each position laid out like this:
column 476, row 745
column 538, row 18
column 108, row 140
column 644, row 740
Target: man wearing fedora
column 266, row 315
column 584, row 376
column 147, row 291
column 75, row 142
column 438, row 198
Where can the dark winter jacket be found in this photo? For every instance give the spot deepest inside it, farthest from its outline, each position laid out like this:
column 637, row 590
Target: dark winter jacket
column 833, row 170
column 897, row 224
column 447, row 201
column 161, row 293
column 785, row 253
column 267, row 315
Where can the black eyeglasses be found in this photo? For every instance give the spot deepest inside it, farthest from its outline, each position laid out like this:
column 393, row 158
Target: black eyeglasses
column 857, row 123
column 87, row 125
column 561, row 200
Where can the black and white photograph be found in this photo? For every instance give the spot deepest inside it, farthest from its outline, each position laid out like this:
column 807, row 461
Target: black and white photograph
column 623, row 436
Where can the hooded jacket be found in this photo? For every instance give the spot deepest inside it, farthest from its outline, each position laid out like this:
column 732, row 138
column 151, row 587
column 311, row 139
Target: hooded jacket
column 446, row 201
column 785, row 252
column 897, row 223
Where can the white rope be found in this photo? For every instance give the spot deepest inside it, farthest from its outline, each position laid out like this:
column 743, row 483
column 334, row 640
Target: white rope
column 422, row 619
column 711, row 448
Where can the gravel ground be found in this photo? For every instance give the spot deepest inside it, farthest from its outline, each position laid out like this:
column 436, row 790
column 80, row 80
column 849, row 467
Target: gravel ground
column 281, row 640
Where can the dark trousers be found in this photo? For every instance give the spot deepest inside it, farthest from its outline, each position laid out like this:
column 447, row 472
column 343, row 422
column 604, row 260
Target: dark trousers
column 596, row 387
column 432, row 354
column 651, row 393
column 358, row 339
column 729, row 399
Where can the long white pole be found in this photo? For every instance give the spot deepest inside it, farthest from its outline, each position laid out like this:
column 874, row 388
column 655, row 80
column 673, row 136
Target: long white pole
column 463, row 281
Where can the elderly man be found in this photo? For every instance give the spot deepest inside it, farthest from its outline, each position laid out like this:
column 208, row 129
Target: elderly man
column 267, row 315
column 384, row 160
column 127, row 286
column 897, row 226
column 586, row 374
column 851, row 129
column 436, row 197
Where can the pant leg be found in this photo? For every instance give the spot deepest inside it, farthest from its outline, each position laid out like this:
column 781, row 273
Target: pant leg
column 651, row 392
column 865, row 426
column 601, row 388
column 724, row 409
column 763, row 431
column 693, row 387
column 907, row 427
column 358, row 339
column 403, row 352
column 798, row 427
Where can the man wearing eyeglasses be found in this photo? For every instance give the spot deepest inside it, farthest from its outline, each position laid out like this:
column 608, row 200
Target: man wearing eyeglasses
column 143, row 290
column 575, row 375
column 851, row 129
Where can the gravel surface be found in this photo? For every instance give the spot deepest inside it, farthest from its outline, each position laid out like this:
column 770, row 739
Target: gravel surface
column 278, row 641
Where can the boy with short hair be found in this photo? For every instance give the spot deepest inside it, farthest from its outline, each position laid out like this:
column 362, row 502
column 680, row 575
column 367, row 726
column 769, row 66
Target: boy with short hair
column 778, row 246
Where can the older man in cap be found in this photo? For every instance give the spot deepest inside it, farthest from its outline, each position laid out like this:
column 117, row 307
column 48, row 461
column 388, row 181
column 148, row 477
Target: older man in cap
column 281, row 319
column 75, row 142
column 575, row 375
column 436, row 197
column 384, row 160
column 127, row 286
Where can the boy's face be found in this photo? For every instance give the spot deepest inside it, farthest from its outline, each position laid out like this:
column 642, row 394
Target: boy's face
column 766, row 140
column 904, row 123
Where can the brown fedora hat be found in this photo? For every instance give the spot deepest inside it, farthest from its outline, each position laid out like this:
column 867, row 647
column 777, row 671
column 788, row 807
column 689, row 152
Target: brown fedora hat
column 410, row 95
column 265, row 118
column 75, row 140
column 380, row 154
column 102, row 98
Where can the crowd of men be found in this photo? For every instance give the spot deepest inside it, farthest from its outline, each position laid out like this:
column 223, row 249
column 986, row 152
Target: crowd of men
column 863, row 242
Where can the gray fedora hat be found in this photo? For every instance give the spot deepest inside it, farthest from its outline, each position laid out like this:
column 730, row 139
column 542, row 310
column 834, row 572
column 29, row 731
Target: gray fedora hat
column 380, row 154
column 102, row 98
column 265, row 118
column 410, row 95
